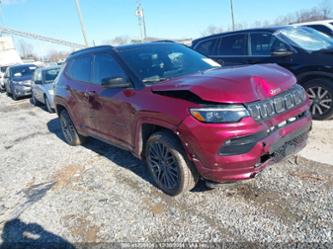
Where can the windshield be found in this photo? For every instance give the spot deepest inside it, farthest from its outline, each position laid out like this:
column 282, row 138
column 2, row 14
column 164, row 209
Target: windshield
column 23, row 71
column 3, row 69
column 307, row 38
column 158, row 61
column 51, row 74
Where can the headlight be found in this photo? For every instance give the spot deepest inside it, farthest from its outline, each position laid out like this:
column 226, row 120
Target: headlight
column 220, row 114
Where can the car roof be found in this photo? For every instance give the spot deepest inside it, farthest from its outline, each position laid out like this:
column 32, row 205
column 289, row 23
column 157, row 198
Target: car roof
column 267, row 29
column 116, row 48
column 23, row 65
column 49, row 68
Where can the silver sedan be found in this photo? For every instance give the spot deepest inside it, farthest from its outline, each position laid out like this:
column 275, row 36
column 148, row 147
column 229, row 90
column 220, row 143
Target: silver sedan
column 42, row 87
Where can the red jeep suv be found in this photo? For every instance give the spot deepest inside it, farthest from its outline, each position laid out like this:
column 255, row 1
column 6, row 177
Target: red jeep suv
column 181, row 112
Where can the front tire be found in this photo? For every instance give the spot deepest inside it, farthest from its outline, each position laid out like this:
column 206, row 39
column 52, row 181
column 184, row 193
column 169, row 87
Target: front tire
column 320, row 91
column 48, row 105
column 72, row 137
column 168, row 165
column 34, row 101
column 14, row 96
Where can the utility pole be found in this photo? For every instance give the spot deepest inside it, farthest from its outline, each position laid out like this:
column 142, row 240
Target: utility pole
column 2, row 18
column 141, row 21
column 83, row 29
column 232, row 15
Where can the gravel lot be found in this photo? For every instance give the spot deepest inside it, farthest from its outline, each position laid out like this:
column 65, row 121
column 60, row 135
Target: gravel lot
column 98, row 193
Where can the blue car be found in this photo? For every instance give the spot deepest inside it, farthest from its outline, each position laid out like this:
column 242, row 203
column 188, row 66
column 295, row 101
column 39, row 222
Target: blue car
column 18, row 80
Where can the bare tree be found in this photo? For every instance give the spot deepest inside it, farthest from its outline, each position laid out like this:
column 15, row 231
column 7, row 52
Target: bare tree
column 26, row 49
column 321, row 12
column 56, row 56
column 212, row 29
column 119, row 40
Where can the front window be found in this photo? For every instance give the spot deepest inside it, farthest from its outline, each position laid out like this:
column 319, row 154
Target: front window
column 263, row 44
column 51, row 74
column 3, row 69
column 306, row 38
column 23, row 71
column 157, row 62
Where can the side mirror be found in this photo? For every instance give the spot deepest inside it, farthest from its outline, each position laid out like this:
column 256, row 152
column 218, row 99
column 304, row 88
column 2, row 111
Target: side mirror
column 282, row 52
column 116, row 82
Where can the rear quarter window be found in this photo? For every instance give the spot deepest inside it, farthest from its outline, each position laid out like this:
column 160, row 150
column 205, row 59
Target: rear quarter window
column 80, row 69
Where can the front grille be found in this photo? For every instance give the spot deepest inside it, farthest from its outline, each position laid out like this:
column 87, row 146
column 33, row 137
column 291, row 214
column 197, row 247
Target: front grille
column 280, row 103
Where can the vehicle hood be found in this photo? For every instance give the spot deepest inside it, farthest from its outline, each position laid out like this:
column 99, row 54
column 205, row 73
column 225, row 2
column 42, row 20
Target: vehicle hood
column 242, row 84
column 25, row 78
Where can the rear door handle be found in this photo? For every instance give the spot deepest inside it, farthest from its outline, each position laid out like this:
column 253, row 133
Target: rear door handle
column 253, row 61
column 88, row 94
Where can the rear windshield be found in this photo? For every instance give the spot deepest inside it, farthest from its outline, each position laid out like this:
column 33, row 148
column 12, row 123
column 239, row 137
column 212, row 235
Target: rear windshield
column 23, row 71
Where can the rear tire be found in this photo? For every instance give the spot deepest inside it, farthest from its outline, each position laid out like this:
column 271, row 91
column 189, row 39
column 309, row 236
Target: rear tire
column 72, row 137
column 168, row 165
column 320, row 91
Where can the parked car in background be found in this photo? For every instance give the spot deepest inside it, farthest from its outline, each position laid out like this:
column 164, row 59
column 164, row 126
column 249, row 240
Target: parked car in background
column 324, row 26
column 181, row 112
column 304, row 51
column 43, row 87
column 18, row 80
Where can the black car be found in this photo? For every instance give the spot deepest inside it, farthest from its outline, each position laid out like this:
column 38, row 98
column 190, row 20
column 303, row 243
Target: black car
column 18, row 80
column 302, row 50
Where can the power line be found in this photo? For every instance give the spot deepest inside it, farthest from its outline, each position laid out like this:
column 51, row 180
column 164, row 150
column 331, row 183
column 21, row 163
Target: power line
column 41, row 38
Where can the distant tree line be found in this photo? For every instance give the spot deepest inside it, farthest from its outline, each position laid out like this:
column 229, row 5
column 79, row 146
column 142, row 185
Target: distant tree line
column 321, row 12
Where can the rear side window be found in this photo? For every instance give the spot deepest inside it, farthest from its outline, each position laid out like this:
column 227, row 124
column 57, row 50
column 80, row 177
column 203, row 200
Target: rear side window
column 207, row 47
column 106, row 67
column 80, row 69
column 265, row 43
column 322, row 29
column 233, row 45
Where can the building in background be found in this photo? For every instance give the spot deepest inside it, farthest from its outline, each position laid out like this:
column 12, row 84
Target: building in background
column 8, row 53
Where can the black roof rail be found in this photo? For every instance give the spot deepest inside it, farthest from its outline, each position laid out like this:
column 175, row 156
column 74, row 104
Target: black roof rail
column 171, row 41
column 89, row 49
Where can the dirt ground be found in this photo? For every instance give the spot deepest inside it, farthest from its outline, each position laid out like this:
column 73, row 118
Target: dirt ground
column 52, row 192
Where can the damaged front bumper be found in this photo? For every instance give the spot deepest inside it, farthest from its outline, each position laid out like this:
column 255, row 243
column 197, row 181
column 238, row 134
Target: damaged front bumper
column 203, row 144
